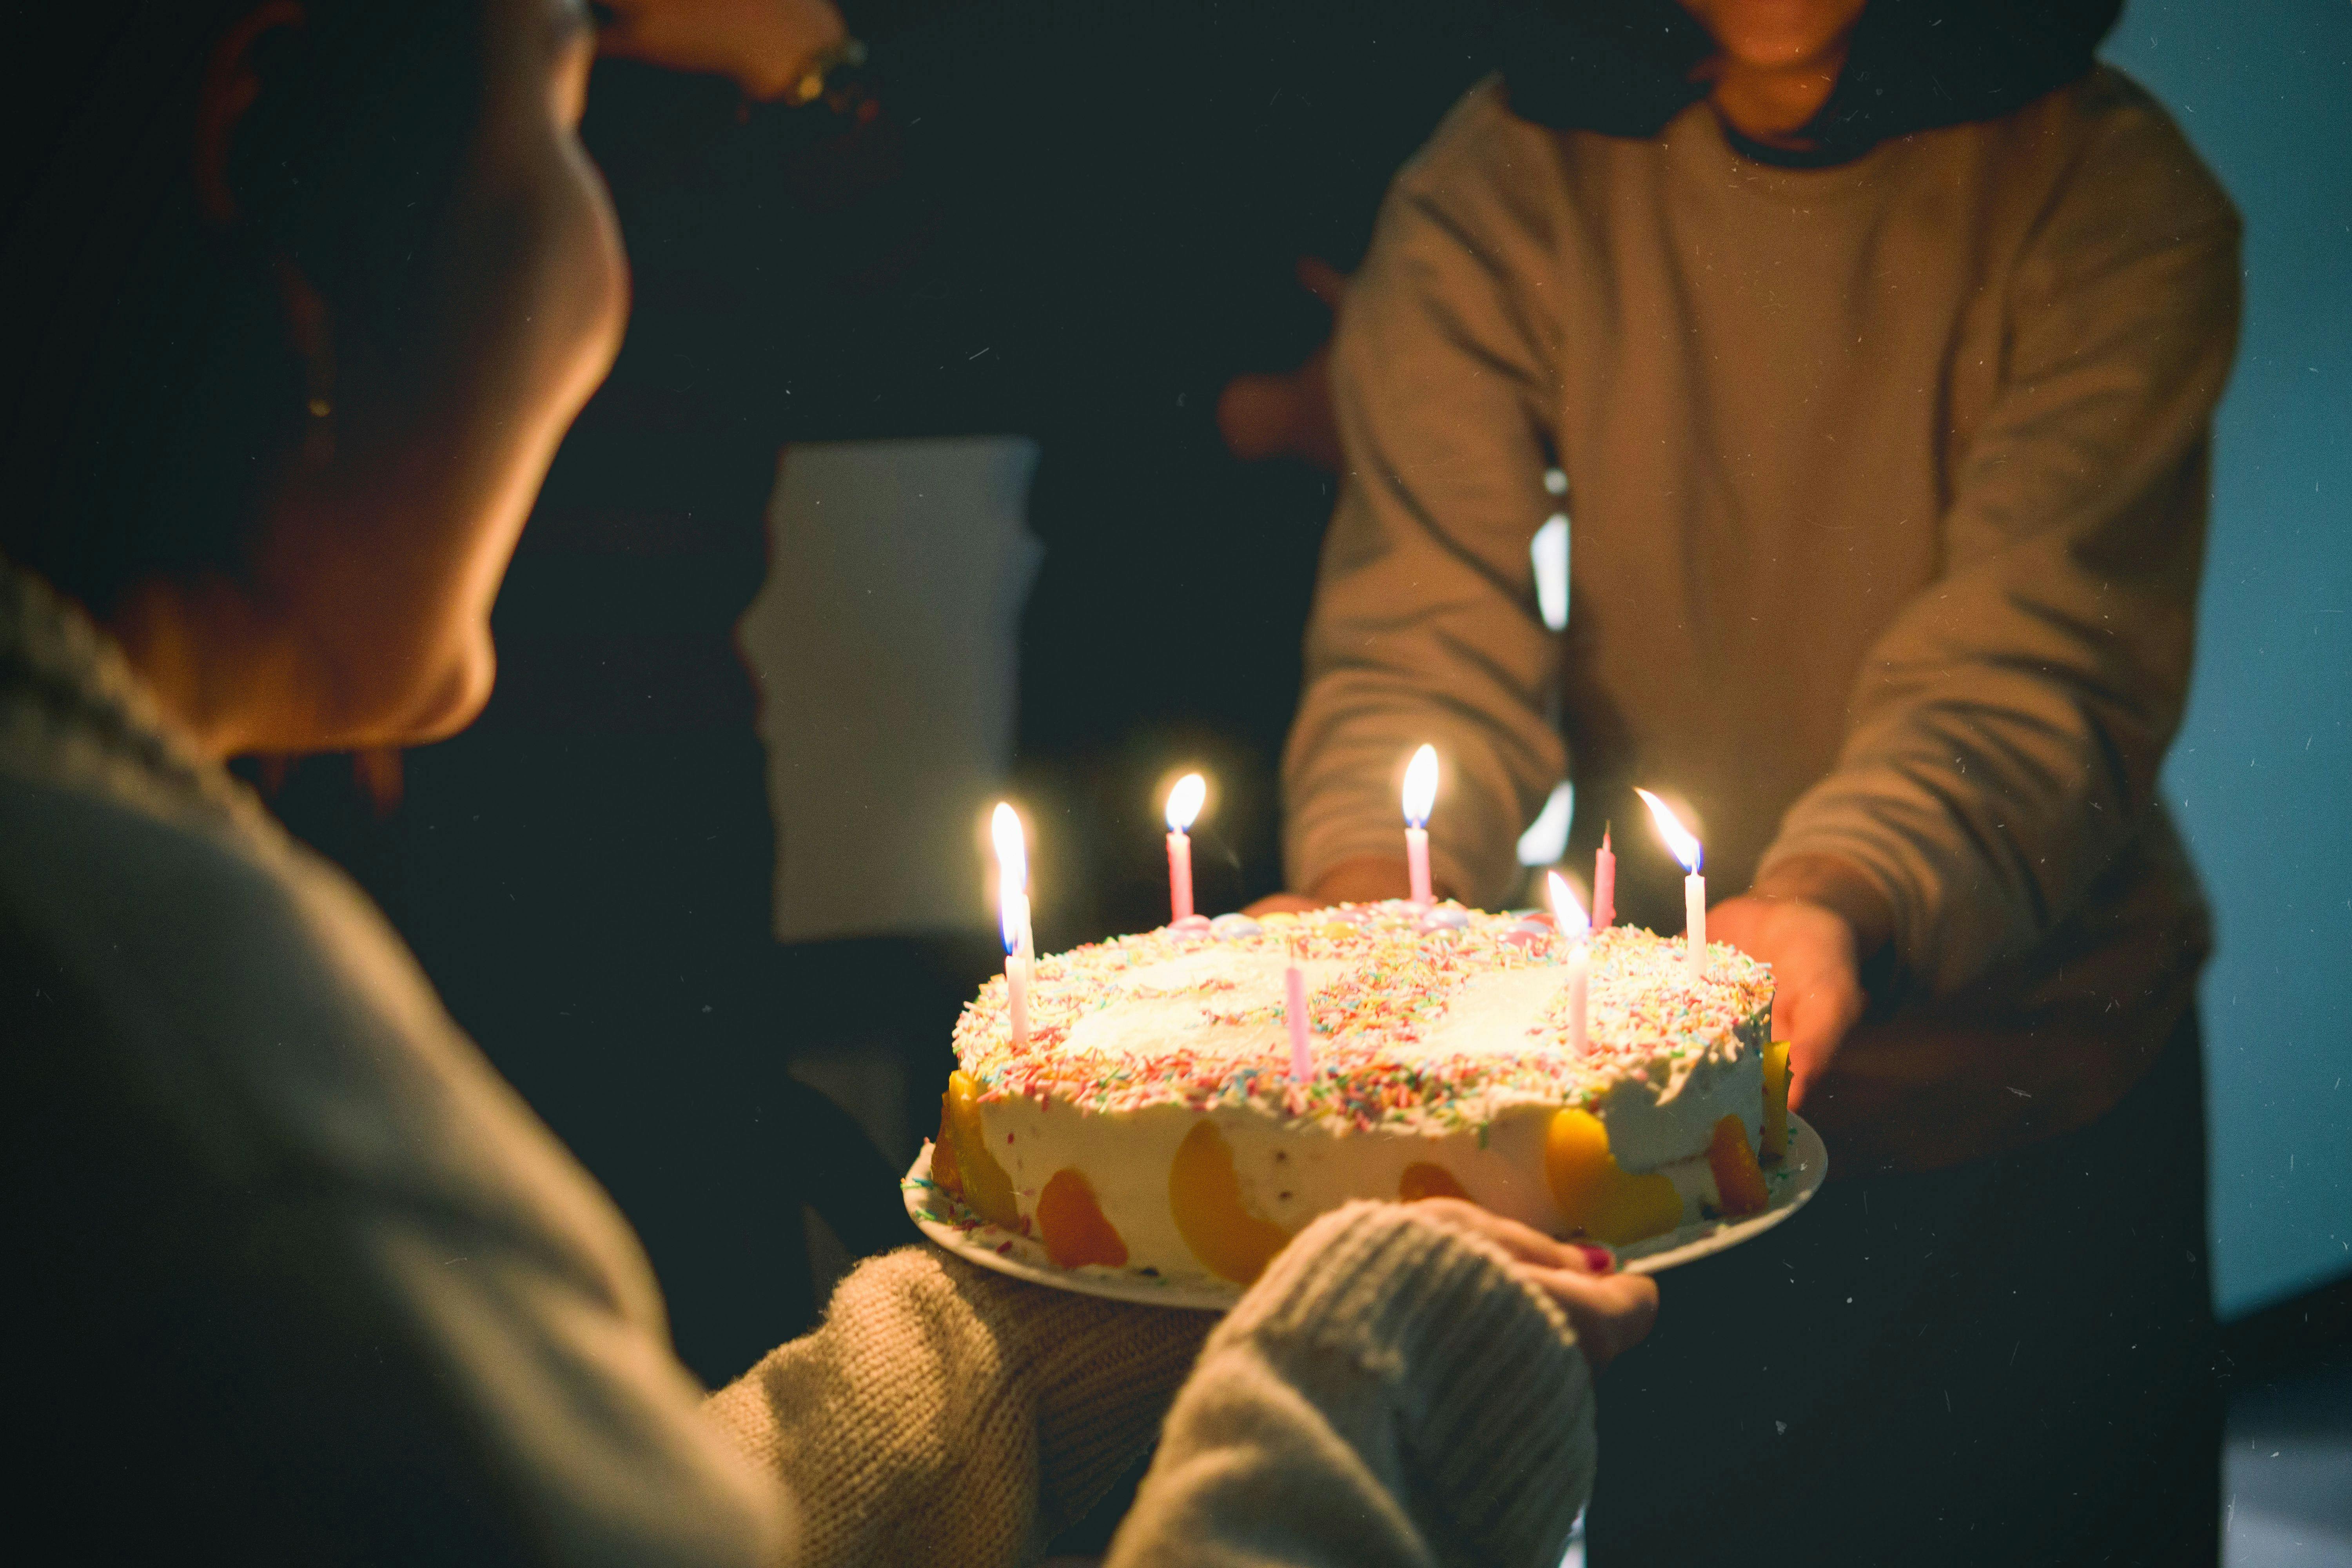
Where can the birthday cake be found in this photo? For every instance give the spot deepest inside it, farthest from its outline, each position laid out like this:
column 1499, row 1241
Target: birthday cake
column 1152, row 1116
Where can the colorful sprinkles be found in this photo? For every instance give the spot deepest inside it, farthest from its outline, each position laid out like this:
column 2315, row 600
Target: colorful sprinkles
column 1397, row 969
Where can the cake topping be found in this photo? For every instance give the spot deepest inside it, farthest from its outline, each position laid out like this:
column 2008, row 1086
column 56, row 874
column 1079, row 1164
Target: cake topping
column 1416, row 1019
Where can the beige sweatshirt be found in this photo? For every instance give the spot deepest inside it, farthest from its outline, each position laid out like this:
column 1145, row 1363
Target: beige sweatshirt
column 304, row 1279
column 1888, row 488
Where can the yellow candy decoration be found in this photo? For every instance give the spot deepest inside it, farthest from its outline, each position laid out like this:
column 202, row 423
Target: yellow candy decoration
column 1776, row 1099
column 1206, row 1197
column 987, row 1190
column 1597, row 1198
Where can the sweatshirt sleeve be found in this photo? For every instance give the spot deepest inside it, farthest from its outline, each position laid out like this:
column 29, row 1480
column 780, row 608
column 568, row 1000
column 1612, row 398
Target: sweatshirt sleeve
column 2005, row 732
column 1425, row 627
column 1387, row 1395
column 944, row 1414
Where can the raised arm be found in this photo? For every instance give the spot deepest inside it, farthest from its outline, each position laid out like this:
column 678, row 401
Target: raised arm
column 1425, row 627
column 2007, row 729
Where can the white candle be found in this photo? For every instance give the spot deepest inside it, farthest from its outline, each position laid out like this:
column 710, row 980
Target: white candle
column 1183, row 805
column 1694, row 923
column 1572, row 941
column 1420, row 795
column 1012, row 904
column 1293, row 1014
column 1686, row 850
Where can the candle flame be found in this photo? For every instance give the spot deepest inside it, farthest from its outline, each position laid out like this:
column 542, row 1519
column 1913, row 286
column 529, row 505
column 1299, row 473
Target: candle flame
column 1670, row 828
column 1012, row 870
column 1184, row 801
column 1421, row 786
column 1546, row 840
column 1565, row 912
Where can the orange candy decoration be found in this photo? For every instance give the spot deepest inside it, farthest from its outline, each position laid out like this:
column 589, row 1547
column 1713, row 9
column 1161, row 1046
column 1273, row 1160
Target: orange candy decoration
column 1422, row 1179
column 1072, row 1225
column 1738, row 1179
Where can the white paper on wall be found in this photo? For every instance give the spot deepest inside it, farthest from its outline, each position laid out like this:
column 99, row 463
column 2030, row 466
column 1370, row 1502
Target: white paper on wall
column 884, row 644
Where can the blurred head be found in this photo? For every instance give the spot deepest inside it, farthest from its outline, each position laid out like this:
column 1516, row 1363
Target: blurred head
column 1890, row 67
column 1777, row 35
column 308, row 292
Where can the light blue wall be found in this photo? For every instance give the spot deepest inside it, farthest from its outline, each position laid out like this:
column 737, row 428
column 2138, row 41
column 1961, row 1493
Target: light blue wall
column 2263, row 773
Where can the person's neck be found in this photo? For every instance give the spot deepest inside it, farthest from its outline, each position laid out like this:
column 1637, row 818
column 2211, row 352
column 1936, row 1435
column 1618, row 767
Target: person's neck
column 1772, row 104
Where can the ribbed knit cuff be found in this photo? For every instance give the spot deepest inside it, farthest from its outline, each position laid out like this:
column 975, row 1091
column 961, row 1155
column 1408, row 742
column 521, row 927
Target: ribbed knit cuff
column 1494, row 1400
column 1838, row 886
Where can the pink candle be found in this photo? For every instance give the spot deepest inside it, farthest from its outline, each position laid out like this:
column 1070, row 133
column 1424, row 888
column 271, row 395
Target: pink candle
column 1183, row 805
column 1179, row 877
column 1604, row 885
column 1571, row 943
column 1293, row 1013
column 1419, row 796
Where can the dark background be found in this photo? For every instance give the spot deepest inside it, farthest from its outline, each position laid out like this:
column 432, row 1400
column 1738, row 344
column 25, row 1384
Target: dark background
column 2262, row 771
column 1078, row 224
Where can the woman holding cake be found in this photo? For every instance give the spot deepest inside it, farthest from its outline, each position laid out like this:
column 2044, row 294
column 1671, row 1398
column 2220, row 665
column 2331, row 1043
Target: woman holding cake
column 307, row 293
column 1878, row 345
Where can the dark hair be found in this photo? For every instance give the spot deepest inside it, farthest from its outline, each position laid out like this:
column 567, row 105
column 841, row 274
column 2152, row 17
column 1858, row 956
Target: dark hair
column 154, row 393
column 1623, row 67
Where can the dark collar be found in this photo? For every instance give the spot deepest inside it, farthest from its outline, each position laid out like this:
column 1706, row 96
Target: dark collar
column 1625, row 67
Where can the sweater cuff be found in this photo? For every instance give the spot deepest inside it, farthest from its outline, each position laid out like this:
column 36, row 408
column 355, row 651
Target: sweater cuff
column 1838, row 886
column 1494, row 1400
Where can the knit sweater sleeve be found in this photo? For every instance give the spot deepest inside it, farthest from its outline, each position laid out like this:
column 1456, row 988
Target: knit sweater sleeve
column 1425, row 626
column 944, row 1414
column 1388, row 1394
column 2006, row 729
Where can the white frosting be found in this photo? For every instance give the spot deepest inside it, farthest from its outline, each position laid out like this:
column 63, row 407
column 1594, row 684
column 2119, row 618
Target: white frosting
column 1463, row 1067
column 1286, row 1176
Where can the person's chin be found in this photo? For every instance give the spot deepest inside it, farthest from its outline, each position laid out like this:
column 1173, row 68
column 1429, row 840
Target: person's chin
column 450, row 691
column 458, row 698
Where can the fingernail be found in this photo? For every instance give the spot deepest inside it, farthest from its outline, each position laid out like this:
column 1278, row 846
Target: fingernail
column 1600, row 1259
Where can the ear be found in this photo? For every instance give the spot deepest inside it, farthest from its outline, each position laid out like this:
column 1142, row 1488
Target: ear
column 230, row 86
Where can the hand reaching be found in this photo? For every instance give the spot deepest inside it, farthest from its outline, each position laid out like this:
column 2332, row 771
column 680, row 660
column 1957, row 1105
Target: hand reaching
column 764, row 46
column 1289, row 414
column 1609, row 1311
column 1366, row 880
column 1819, row 996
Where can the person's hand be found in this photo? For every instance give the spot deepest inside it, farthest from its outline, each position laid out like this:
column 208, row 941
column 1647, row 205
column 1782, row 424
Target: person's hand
column 1816, row 975
column 765, row 47
column 1609, row 1311
column 1290, row 416
column 1284, row 904
column 1366, row 880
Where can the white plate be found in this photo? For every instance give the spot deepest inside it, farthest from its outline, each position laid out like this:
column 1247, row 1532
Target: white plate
column 1792, row 1181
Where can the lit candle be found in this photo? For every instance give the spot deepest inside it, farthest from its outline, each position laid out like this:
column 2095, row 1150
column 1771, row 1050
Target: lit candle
column 1604, row 884
column 1420, row 795
column 1293, row 1013
column 1012, row 899
column 1686, row 850
column 1183, row 805
column 1571, row 943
